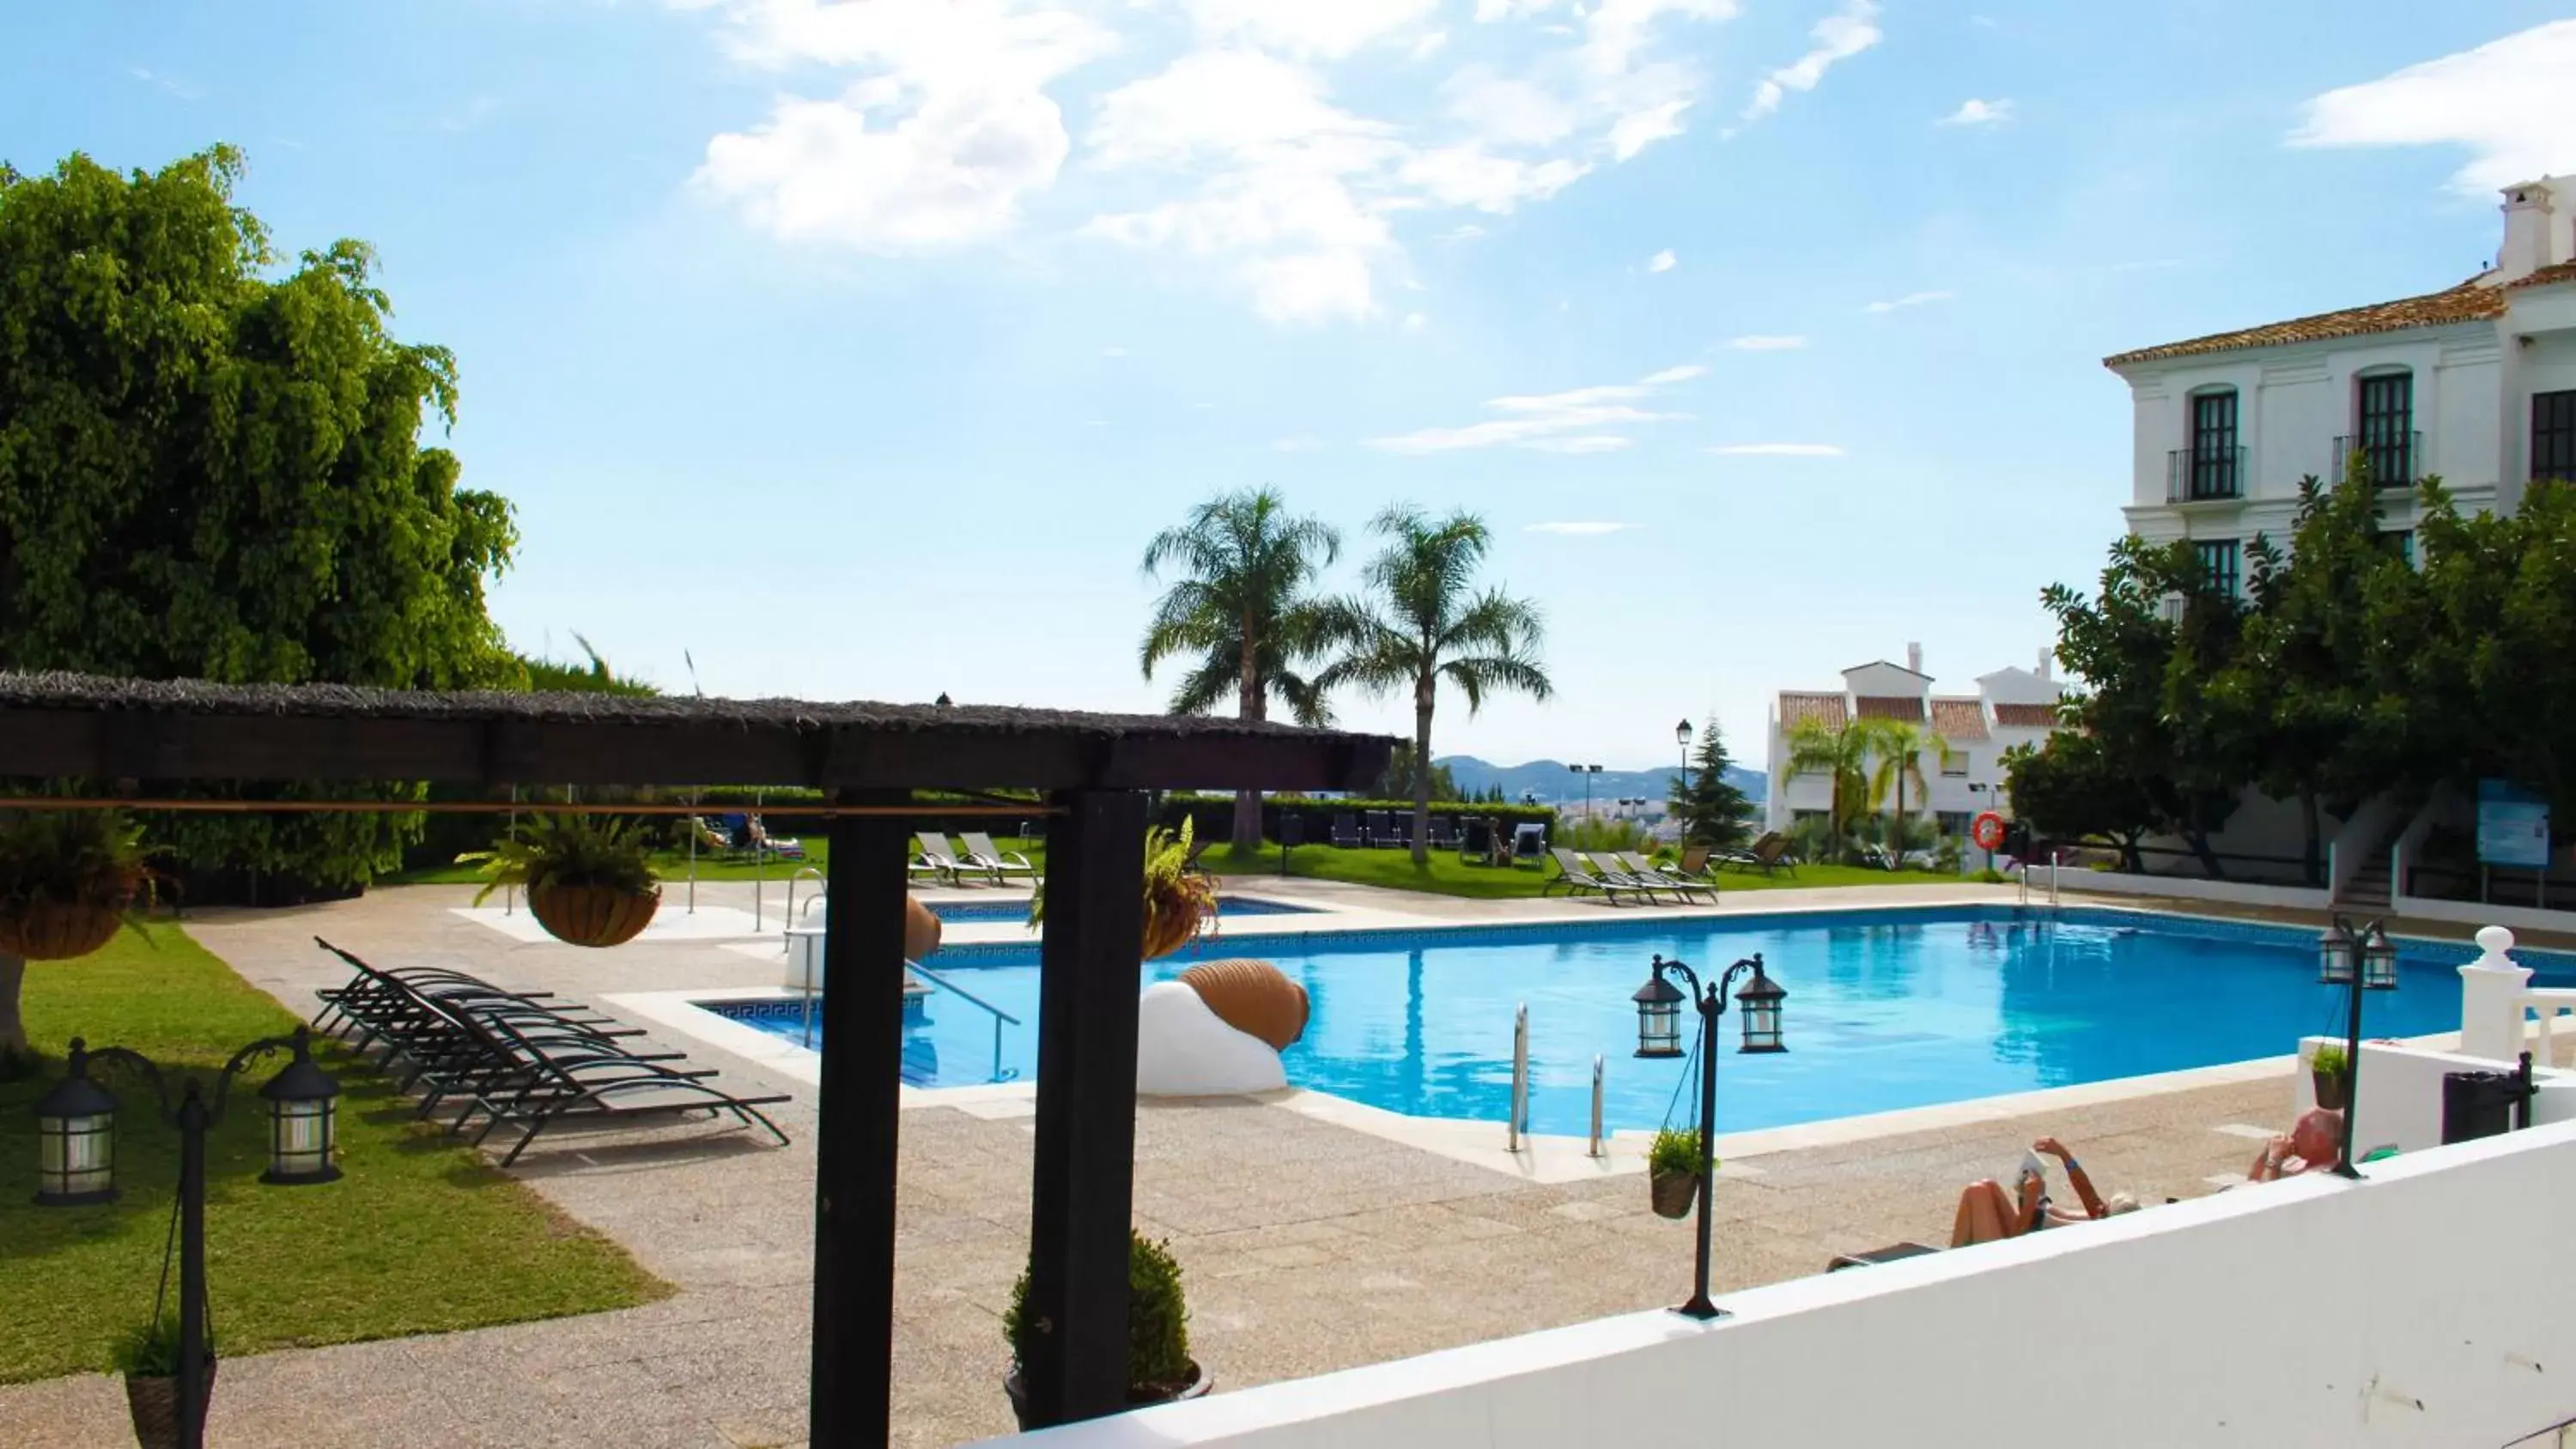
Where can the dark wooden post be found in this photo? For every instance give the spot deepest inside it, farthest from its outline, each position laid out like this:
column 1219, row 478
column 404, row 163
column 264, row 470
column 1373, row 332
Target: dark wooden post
column 1089, row 974
column 850, row 1398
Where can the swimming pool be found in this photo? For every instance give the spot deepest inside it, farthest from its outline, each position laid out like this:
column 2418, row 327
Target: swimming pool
column 1228, row 907
column 1886, row 1009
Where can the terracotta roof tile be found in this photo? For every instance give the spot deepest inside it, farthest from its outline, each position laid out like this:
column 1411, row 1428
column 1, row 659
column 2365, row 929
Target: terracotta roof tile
column 2026, row 716
column 1959, row 719
column 1825, row 709
column 1891, row 706
column 2467, row 302
column 2548, row 276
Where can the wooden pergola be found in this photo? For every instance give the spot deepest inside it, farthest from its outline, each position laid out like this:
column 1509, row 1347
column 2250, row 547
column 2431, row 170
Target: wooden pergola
column 129, row 738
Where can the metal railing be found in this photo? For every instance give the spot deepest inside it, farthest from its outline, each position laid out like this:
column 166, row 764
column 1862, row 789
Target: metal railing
column 1000, row 1017
column 791, row 916
column 1518, row 1126
column 2195, row 474
column 1595, row 1150
column 2396, row 459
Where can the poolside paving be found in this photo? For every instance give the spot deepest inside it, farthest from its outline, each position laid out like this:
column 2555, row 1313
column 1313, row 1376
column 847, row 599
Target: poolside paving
column 1307, row 1246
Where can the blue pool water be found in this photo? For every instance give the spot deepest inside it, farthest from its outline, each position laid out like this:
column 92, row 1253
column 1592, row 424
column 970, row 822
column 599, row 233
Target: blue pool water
column 1018, row 910
column 1900, row 1009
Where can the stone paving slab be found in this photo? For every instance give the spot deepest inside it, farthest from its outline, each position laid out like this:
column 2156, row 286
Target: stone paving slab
column 1307, row 1247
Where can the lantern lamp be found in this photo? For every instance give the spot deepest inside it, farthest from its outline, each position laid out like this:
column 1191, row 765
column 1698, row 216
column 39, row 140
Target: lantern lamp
column 1659, row 1016
column 302, row 1102
column 76, row 1139
column 2378, row 959
column 2336, row 951
column 1759, row 1001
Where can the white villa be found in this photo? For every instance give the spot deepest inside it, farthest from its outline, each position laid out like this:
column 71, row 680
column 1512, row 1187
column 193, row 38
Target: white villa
column 2011, row 707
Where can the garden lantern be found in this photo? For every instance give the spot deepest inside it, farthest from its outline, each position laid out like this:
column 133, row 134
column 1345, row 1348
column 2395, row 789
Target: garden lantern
column 2335, row 954
column 1659, row 1016
column 76, row 1139
column 1759, row 999
column 302, row 1101
column 2378, row 959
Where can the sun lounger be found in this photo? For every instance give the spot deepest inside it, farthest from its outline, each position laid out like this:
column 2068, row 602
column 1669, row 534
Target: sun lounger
column 1694, row 865
column 1004, row 864
column 1773, row 852
column 1641, row 868
column 545, row 1086
column 1893, row 1253
column 1444, row 832
column 1346, row 832
column 1653, row 887
column 941, row 861
column 1576, row 877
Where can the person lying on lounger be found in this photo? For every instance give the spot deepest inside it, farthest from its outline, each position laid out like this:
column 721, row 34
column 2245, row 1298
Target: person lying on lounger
column 1988, row 1213
column 2315, row 1141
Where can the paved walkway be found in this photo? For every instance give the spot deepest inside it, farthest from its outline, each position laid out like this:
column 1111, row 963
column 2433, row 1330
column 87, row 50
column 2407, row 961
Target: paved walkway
column 1307, row 1246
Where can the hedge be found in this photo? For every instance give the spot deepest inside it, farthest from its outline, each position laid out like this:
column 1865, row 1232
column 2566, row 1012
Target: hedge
column 1215, row 813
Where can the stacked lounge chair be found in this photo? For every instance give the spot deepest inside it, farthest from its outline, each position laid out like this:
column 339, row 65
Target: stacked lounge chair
column 525, row 1059
column 1002, row 865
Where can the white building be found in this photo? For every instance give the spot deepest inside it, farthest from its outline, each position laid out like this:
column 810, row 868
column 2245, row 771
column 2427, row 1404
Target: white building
column 2011, row 707
column 2475, row 384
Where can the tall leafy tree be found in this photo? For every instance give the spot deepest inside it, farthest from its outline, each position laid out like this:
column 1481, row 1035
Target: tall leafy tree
column 1397, row 782
column 1424, row 621
column 1242, row 616
column 2070, row 788
column 1896, row 748
column 1842, row 756
column 1711, row 808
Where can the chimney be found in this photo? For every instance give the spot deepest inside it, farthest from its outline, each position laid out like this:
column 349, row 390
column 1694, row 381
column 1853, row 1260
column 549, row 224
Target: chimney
column 1914, row 657
column 2043, row 661
column 2529, row 231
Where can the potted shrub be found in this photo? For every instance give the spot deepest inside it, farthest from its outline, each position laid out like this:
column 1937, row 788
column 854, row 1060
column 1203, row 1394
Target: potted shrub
column 66, row 879
column 1179, row 900
column 1672, row 1171
column 589, row 879
column 148, row 1357
column 1159, row 1367
column 2331, row 1074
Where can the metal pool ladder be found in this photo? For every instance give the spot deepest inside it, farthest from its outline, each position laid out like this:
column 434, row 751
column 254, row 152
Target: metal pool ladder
column 1518, row 1126
column 999, row 1015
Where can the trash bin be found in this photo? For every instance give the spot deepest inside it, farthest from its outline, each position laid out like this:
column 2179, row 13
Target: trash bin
column 1292, row 829
column 2478, row 1104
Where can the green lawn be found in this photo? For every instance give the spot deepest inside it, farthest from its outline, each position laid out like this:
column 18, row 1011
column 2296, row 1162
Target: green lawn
column 674, row 865
column 1446, row 875
column 420, row 1236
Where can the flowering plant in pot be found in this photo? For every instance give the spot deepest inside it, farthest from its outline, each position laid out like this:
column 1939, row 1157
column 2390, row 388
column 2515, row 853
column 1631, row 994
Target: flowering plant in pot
column 1179, row 902
column 148, row 1357
column 1159, row 1367
column 66, row 879
column 2330, row 1073
column 1672, row 1171
column 589, row 879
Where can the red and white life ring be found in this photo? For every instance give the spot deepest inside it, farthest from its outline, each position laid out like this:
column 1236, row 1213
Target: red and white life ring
column 1987, row 830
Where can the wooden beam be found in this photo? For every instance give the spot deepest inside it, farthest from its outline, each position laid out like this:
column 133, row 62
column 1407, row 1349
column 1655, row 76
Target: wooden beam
column 1090, row 967
column 850, row 1396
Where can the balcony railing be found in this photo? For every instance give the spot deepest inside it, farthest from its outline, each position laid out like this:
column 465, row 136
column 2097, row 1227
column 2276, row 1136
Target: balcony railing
column 2195, row 474
column 2394, row 458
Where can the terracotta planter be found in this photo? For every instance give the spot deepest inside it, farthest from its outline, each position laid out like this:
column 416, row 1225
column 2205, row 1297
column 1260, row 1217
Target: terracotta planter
column 1137, row 1398
column 1673, row 1193
column 56, row 931
column 592, row 915
column 153, row 1405
column 2333, row 1089
column 920, row 930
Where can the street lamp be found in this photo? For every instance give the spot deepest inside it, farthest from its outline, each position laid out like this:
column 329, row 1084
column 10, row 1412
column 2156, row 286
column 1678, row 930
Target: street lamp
column 1659, row 1037
column 1682, row 737
column 1587, row 772
column 2360, row 961
column 76, row 1162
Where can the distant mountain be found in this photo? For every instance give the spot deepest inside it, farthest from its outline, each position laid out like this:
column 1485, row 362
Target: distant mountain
column 1553, row 783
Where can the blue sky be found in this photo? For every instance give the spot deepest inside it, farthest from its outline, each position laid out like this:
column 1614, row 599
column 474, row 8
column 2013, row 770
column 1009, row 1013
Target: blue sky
column 856, row 349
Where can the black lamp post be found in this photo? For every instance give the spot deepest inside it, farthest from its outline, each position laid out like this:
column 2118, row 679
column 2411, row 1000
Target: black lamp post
column 1682, row 737
column 2361, row 961
column 1659, row 1036
column 76, row 1162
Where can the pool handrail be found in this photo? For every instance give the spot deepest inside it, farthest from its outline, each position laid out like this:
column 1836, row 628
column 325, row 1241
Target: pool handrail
column 999, row 1015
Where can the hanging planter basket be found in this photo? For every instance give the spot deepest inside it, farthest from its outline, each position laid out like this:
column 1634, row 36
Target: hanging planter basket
column 56, row 930
column 153, row 1404
column 583, row 915
column 2333, row 1089
column 1672, row 1193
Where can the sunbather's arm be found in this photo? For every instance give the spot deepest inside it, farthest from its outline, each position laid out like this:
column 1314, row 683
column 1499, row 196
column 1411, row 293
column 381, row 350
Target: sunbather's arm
column 2093, row 1205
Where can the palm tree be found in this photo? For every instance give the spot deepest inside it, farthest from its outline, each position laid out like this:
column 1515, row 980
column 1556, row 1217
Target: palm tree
column 1842, row 757
column 1896, row 748
column 1241, row 613
column 1424, row 623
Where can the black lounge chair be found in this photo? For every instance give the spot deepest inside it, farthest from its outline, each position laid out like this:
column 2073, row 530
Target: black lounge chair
column 548, row 1088
column 1346, row 832
column 1893, row 1253
column 1444, row 832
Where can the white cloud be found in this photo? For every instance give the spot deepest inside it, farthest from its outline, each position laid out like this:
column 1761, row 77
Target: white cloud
column 1215, row 104
column 1506, row 111
column 1430, row 43
column 1974, row 112
column 1637, row 130
column 947, row 128
column 1778, row 450
column 1839, row 36
column 1415, row 322
column 1578, row 530
column 1766, row 343
column 1910, row 299
column 1469, row 176
column 1662, row 261
column 178, row 89
column 2507, row 102
column 1559, row 422
column 1327, row 29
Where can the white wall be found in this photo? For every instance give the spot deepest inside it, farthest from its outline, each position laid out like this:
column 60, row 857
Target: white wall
column 2521, row 918
column 2412, row 1309
column 2183, row 888
column 2401, row 1094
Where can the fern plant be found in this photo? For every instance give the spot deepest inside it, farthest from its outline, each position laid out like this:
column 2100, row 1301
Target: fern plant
column 1178, row 900
column 562, row 849
column 72, row 858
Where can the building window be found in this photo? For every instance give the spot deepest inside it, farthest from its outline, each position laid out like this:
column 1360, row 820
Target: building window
column 1954, row 762
column 2400, row 541
column 2213, row 446
column 2553, row 435
column 2218, row 565
column 2388, row 428
column 1954, row 823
